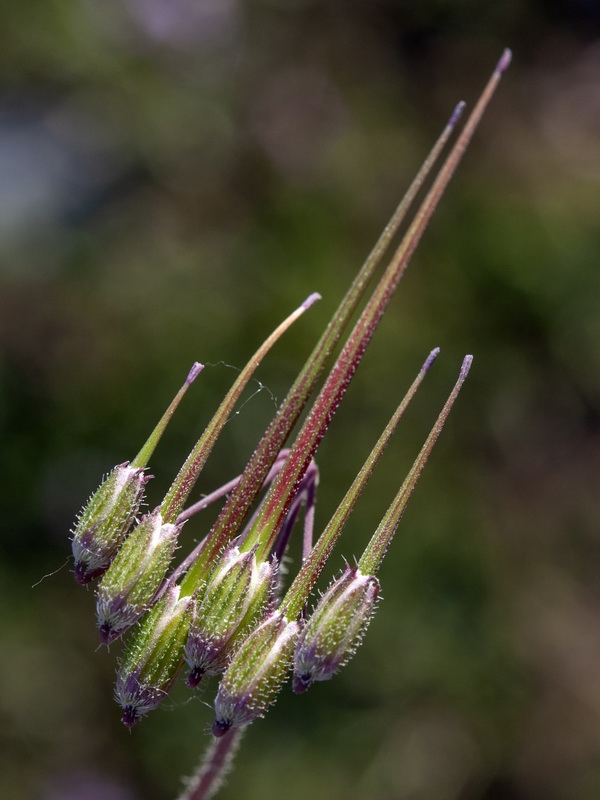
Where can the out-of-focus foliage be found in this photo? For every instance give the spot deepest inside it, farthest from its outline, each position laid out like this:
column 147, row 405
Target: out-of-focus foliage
column 175, row 176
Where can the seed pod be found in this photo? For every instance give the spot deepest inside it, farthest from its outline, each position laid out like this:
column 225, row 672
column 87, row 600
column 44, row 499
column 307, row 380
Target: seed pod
column 255, row 674
column 128, row 587
column 105, row 520
column 335, row 628
column 153, row 657
column 231, row 602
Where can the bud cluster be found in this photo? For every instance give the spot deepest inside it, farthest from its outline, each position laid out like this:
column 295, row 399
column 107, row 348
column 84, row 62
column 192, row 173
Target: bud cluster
column 225, row 610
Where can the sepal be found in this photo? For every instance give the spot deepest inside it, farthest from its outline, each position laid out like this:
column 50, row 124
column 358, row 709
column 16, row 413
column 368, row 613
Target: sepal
column 154, row 657
column 105, row 520
column 255, row 674
column 128, row 588
column 231, row 602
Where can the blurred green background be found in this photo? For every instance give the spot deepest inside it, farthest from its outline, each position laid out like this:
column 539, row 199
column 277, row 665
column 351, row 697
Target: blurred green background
column 176, row 176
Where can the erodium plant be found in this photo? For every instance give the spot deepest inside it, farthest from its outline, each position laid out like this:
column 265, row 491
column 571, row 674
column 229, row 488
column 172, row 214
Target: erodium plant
column 225, row 609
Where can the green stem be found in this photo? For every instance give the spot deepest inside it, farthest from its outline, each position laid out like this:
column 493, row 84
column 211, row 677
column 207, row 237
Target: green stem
column 282, row 491
column 299, row 591
column 183, row 484
column 214, row 766
column 236, row 508
column 145, row 453
column 380, row 541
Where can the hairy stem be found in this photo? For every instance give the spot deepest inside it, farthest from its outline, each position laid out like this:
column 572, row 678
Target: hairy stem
column 299, row 591
column 316, row 423
column 144, row 455
column 214, row 767
column 381, row 539
column 176, row 498
column 235, row 510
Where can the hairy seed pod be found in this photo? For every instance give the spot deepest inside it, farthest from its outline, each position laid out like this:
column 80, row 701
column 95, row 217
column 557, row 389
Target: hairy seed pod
column 127, row 589
column 153, row 657
column 255, row 674
column 231, row 602
column 105, row 520
column 335, row 628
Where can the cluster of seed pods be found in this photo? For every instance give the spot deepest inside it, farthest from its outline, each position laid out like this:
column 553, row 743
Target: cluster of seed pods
column 225, row 609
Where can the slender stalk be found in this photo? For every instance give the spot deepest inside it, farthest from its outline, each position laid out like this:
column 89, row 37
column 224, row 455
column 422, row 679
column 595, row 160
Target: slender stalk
column 306, row 496
column 202, row 504
column 309, row 520
column 283, row 489
column 380, row 541
column 208, row 499
column 298, row 593
column 145, row 453
column 214, row 767
column 236, row 508
column 183, row 484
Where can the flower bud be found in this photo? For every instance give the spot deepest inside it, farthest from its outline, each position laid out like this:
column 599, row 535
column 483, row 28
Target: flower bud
column 128, row 587
column 335, row 628
column 153, row 657
column 255, row 674
column 231, row 602
column 105, row 520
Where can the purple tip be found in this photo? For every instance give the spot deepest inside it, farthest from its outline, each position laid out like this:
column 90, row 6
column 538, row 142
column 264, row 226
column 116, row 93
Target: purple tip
column 194, row 677
column 130, row 716
column 107, row 633
column 194, row 372
column 466, row 366
column 83, row 575
column 310, row 300
column 457, row 113
column 505, row 60
column 302, row 683
column 220, row 728
column 430, row 359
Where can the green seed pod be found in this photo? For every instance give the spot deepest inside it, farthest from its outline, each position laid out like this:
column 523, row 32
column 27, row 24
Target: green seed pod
column 335, row 628
column 153, row 657
column 255, row 674
column 128, row 588
column 105, row 520
column 231, row 602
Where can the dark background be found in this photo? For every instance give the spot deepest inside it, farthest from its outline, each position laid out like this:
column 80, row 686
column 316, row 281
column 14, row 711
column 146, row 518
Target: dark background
column 175, row 177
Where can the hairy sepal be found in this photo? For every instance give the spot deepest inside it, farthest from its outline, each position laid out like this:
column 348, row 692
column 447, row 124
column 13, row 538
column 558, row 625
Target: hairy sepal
column 226, row 609
column 128, row 588
column 335, row 628
column 105, row 521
